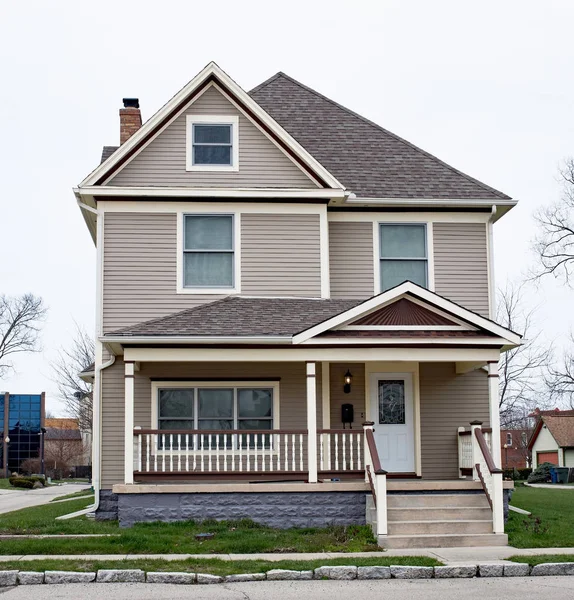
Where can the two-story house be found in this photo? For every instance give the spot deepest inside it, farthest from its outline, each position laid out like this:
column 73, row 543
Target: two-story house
column 294, row 321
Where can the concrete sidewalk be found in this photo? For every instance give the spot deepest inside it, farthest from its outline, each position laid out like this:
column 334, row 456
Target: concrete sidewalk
column 448, row 556
column 15, row 499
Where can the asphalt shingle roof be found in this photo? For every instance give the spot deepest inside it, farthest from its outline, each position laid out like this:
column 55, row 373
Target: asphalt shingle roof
column 238, row 316
column 562, row 429
column 367, row 159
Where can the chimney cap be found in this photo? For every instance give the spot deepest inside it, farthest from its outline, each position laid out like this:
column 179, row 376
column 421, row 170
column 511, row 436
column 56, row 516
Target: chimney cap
column 131, row 102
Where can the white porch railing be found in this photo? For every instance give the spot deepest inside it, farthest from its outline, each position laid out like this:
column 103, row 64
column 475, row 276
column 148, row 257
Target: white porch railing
column 275, row 452
column 340, row 450
column 377, row 479
column 485, row 471
column 465, row 458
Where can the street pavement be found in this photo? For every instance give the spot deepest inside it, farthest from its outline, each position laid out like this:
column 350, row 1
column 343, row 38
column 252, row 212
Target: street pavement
column 16, row 499
column 509, row 588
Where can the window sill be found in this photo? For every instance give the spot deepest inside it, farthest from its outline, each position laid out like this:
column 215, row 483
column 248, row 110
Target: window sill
column 213, row 168
column 203, row 291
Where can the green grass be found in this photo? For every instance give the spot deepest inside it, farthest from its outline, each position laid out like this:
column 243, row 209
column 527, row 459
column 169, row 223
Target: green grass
column 5, row 484
column 213, row 565
column 240, row 537
column 551, row 524
column 81, row 494
column 543, row 558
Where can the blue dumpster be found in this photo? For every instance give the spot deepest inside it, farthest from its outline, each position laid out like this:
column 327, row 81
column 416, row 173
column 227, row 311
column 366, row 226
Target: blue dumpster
column 554, row 475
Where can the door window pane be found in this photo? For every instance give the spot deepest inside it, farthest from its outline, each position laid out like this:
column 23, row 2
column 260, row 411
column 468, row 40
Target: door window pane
column 392, row 402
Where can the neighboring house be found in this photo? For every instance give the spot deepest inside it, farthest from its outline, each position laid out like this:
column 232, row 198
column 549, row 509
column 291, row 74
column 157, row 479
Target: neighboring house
column 553, row 440
column 64, row 439
column 274, row 273
column 514, row 448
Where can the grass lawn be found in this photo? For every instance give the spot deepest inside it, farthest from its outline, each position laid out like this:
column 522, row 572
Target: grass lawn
column 215, row 566
column 241, row 537
column 81, row 494
column 543, row 558
column 5, row 484
column 551, row 524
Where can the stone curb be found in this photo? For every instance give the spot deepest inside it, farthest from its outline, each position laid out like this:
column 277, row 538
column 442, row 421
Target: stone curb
column 341, row 573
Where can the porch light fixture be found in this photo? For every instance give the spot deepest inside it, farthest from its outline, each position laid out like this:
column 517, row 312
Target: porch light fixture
column 348, row 379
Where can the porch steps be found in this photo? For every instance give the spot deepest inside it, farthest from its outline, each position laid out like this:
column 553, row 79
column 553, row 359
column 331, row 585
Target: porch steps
column 436, row 520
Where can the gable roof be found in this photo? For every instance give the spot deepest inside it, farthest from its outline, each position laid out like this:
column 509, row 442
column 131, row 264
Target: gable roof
column 403, row 312
column 62, row 423
column 178, row 103
column 369, row 160
column 561, row 428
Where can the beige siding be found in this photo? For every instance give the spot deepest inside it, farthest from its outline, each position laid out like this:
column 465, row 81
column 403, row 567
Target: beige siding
column 351, row 260
column 356, row 396
column 292, row 398
column 461, row 264
column 280, row 255
column 140, row 269
column 261, row 163
column 569, row 458
column 448, row 401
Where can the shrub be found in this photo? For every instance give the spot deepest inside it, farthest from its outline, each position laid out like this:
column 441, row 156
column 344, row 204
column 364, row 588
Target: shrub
column 524, row 473
column 21, row 482
column 30, row 466
column 541, row 474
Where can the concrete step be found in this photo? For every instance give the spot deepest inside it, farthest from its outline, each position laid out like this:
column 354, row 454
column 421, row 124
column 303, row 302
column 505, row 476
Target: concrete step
column 439, row 527
column 436, row 500
column 439, row 513
column 442, row 541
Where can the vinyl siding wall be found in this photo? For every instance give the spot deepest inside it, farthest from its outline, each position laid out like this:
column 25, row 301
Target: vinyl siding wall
column 163, row 161
column 461, row 264
column 280, row 255
column 292, row 398
column 351, row 260
column 448, row 401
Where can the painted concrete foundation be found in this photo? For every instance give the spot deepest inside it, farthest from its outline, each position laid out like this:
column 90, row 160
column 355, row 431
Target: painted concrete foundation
column 280, row 510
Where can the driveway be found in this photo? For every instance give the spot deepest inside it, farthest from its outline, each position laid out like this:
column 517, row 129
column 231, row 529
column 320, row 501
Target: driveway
column 15, row 499
column 509, row 588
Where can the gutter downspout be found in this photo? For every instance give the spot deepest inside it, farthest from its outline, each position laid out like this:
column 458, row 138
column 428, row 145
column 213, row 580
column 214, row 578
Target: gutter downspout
column 97, row 406
column 492, row 282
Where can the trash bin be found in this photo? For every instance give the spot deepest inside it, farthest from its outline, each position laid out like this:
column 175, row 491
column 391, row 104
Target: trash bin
column 561, row 474
column 553, row 475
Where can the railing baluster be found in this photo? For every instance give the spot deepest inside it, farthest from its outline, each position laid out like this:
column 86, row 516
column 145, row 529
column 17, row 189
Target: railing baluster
column 301, row 468
column 328, row 452
column 351, row 440
column 247, row 452
column 293, row 452
column 336, row 452
column 171, row 452
column 286, row 450
column 195, row 451
column 154, row 437
column 321, row 452
column 233, row 446
column 163, row 452
column 201, row 441
column 225, row 453
column 217, row 453
column 139, row 452
column 179, row 452
column 255, row 459
column 359, row 452
column 147, row 442
column 209, row 452
column 187, row 452
column 240, row 439
column 344, row 445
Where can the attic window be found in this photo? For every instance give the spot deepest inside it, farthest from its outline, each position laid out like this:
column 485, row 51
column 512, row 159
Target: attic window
column 212, row 143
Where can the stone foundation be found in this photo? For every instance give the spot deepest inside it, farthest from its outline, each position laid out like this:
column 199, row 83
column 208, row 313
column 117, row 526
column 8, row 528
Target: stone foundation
column 108, row 508
column 275, row 509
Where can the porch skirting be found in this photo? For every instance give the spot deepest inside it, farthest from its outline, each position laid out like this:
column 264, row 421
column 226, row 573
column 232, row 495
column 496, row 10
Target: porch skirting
column 281, row 510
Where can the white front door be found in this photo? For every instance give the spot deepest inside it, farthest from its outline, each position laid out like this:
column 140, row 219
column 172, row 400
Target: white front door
column 392, row 410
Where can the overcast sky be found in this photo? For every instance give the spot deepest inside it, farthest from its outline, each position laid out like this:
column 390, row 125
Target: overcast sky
column 485, row 85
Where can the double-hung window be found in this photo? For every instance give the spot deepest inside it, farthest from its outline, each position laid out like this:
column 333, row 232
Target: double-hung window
column 402, row 254
column 212, row 143
column 208, row 408
column 208, row 251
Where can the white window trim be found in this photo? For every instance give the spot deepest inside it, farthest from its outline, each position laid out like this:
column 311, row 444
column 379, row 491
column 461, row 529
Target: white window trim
column 157, row 385
column 191, row 120
column 377, row 251
column 236, row 288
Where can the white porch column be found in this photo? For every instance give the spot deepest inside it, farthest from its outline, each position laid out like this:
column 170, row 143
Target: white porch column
column 326, row 394
column 312, row 421
column 129, row 422
column 493, row 395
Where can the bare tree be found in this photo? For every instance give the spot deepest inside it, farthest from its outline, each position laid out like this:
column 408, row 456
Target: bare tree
column 560, row 378
column 20, row 318
column 76, row 393
column 554, row 243
column 522, row 370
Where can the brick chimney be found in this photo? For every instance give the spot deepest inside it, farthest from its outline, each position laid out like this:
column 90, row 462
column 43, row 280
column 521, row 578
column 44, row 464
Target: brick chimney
column 130, row 119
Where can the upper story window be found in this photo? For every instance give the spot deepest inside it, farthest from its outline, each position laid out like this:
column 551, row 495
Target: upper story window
column 212, row 143
column 403, row 254
column 208, row 251
column 509, row 439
